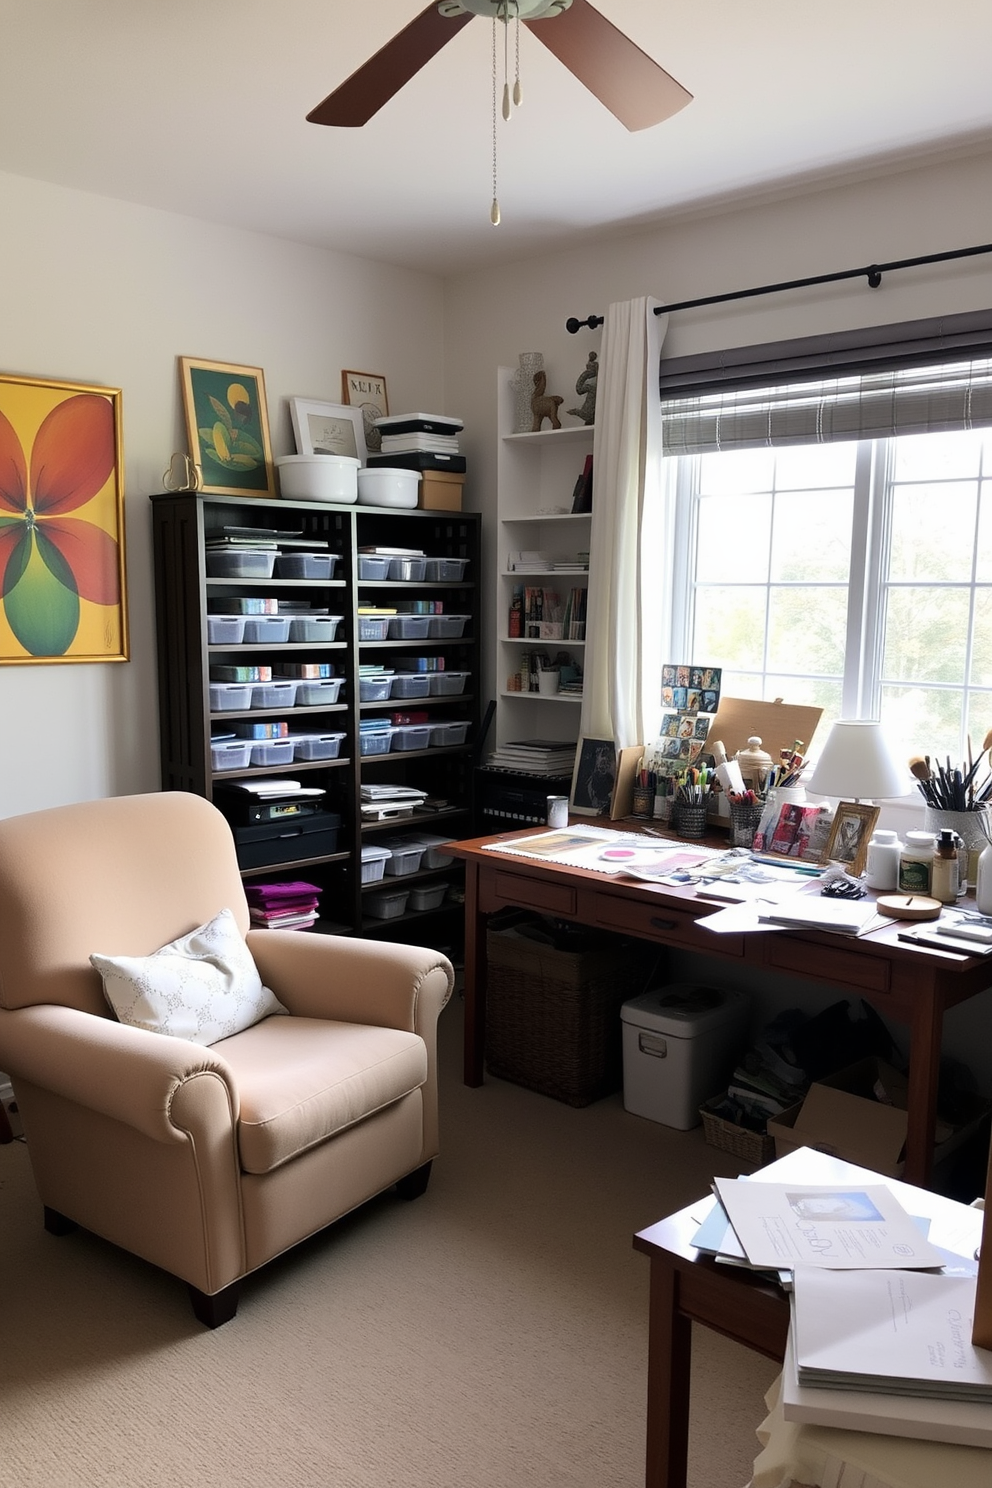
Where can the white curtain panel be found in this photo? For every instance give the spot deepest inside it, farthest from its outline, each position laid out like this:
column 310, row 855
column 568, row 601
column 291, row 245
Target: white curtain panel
column 628, row 585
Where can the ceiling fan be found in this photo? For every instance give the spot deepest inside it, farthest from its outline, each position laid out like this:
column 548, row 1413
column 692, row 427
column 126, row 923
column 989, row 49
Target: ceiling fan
column 625, row 79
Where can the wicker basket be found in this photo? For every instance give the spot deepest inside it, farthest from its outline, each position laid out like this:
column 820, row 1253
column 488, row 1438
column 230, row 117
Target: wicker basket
column 749, row 1146
column 553, row 1016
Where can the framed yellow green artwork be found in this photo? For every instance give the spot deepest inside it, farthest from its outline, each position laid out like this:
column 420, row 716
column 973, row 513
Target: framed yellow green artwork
column 62, row 580
column 227, row 424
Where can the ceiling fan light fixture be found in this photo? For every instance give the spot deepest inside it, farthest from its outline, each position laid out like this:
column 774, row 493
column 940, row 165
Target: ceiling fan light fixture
column 504, row 10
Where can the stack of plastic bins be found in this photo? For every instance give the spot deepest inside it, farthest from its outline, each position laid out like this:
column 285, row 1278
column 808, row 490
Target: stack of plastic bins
column 374, row 860
column 405, row 854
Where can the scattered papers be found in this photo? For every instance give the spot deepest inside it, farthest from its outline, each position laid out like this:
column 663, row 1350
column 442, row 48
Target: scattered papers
column 893, row 1332
column 809, row 912
column 602, row 851
column 782, row 1226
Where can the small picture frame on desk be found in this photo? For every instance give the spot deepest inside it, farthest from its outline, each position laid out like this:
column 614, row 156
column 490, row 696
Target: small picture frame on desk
column 594, row 777
column 852, row 828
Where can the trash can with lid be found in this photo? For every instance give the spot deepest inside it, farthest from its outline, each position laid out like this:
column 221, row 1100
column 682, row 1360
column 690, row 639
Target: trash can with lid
column 680, row 1046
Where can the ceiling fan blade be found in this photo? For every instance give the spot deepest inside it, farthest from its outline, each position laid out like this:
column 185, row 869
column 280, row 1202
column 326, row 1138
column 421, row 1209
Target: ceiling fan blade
column 364, row 93
column 611, row 66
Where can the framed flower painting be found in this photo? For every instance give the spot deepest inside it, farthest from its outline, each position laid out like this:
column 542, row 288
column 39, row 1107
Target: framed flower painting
column 62, row 578
column 227, row 424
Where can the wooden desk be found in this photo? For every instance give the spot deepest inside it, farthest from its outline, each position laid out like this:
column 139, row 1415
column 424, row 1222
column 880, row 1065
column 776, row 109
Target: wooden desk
column 688, row 1287
column 909, row 984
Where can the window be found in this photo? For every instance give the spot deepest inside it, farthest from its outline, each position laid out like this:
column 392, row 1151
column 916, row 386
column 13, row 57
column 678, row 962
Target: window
column 853, row 573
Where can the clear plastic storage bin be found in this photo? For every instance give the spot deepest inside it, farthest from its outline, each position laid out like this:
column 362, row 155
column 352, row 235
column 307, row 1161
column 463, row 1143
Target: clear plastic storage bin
column 445, row 570
column 239, row 563
column 318, row 694
column 226, row 696
column 314, row 627
column 230, row 754
column 273, row 694
column 434, row 853
column 269, row 630
column 409, row 627
column 272, row 751
column 372, row 568
column 447, row 627
column 405, row 855
column 374, row 689
column 445, row 735
column 411, row 569
column 447, row 684
column 377, row 742
column 386, row 906
column 410, row 736
column 305, row 565
column 374, row 860
column 225, row 630
column 316, row 746
column 427, row 896
column 410, row 685
column 373, row 628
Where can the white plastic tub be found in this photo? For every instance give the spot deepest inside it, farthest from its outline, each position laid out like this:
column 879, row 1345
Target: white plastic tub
column 377, row 742
column 268, row 630
column 374, row 860
column 316, row 746
column 230, row 754
column 374, row 689
column 384, row 486
column 447, row 684
column 410, row 570
column 240, row 563
column 445, row 570
column 405, row 854
column 319, row 478
column 273, row 694
column 409, row 627
column 372, row 567
column 410, row 736
column 225, row 630
column 447, row 627
column 386, row 906
column 411, row 685
column 427, row 896
column 226, row 696
column 318, row 694
column 434, row 853
column 305, row 565
column 446, row 735
column 272, row 751
column 320, row 628
column 373, row 628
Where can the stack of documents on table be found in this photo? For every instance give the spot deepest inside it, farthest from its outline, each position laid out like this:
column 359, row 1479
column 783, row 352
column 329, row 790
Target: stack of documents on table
column 888, row 1352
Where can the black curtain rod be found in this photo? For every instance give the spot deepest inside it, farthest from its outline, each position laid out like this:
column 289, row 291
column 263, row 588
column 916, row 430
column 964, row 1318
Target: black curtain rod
column 873, row 273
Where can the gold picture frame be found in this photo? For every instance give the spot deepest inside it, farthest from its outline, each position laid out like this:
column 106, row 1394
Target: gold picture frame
column 227, row 424
column 63, row 592
column 848, row 842
column 367, row 391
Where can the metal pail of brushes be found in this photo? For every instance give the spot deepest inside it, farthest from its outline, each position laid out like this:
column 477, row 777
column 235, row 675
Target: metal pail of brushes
column 968, row 826
column 957, row 800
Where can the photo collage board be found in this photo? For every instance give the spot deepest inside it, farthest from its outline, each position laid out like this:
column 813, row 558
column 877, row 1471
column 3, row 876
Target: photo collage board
column 690, row 696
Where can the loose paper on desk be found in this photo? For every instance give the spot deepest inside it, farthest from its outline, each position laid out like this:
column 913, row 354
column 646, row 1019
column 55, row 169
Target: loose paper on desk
column 600, row 850
column 785, row 1225
column 893, row 1332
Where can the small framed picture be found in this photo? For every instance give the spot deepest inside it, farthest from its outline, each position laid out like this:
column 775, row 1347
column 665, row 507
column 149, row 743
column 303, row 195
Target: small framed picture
column 367, row 391
column 594, row 777
column 327, row 429
column 848, row 843
column 227, row 423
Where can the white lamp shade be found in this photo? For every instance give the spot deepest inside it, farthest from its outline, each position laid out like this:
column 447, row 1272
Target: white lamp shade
column 857, row 763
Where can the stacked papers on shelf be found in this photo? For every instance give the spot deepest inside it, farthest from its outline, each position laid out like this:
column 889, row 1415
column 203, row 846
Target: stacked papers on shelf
column 534, row 757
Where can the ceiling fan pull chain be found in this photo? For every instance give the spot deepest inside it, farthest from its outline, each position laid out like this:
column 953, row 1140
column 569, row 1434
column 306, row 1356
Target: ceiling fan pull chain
column 494, row 209
column 518, row 96
column 506, row 62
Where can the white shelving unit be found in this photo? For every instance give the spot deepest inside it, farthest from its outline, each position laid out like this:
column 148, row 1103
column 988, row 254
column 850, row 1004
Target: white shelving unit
column 536, row 476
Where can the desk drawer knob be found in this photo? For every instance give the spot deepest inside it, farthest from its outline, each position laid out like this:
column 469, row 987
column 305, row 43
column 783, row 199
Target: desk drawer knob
column 653, row 1044
column 657, row 923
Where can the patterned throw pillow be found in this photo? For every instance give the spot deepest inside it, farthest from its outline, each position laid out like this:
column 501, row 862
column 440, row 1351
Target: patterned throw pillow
column 203, row 987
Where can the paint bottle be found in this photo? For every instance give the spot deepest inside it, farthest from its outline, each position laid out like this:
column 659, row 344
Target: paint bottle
column 944, row 879
column 916, row 863
column 983, row 887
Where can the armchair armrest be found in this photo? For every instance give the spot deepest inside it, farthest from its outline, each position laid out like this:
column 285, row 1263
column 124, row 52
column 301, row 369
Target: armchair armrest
column 356, row 981
column 139, row 1078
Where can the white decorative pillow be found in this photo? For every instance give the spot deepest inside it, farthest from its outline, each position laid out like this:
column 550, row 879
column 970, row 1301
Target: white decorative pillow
column 203, row 987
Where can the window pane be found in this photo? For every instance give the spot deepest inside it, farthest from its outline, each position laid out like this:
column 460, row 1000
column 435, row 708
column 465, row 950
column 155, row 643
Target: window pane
column 733, row 539
column 805, row 466
column 933, row 532
column 926, row 634
column 981, row 654
column 807, row 630
column 809, row 692
column 735, row 472
column 730, row 627
column 812, row 537
column 931, row 457
column 924, row 721
column 983, row 545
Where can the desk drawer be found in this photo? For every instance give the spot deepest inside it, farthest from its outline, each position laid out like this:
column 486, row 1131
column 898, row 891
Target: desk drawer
column 512, row 890
column 661, row 922
column 853, row 969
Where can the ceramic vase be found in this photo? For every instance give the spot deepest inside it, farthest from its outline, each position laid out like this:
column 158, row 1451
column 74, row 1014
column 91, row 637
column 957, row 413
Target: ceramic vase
column 968, row 826
column 522, row 383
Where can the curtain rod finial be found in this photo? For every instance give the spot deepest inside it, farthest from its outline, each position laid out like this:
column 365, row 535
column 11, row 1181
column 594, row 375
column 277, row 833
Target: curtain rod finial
column 592, row 321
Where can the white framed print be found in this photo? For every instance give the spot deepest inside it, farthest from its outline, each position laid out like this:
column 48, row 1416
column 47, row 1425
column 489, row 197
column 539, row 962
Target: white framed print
column 327, row 429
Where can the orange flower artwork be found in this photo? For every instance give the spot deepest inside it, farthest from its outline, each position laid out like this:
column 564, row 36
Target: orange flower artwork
column 61, row 523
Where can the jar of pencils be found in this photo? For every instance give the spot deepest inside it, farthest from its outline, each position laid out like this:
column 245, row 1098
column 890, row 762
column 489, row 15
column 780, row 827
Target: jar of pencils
column 744, row 818
column 689, row 814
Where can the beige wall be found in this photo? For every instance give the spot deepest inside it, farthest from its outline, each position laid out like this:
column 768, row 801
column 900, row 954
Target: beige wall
column 98, row 291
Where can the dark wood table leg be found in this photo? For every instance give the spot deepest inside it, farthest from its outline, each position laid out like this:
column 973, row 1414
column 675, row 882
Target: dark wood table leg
column 925, row 1034
column 669, row 1361
column 475, row 980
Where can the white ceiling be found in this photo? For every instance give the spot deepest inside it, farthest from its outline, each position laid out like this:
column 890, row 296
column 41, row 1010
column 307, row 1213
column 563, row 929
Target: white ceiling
column 198, row 107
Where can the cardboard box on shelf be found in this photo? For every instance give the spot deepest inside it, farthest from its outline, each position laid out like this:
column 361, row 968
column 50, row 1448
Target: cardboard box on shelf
column 842, row 1115
column 440, row 490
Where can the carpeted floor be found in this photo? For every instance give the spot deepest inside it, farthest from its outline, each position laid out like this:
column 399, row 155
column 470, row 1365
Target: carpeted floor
column 489, row 1335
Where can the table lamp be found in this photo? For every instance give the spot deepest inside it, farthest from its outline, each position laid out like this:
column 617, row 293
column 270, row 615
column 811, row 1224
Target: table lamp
column 857, row 764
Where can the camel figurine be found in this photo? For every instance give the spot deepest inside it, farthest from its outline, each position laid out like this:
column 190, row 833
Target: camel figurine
column 544, row 405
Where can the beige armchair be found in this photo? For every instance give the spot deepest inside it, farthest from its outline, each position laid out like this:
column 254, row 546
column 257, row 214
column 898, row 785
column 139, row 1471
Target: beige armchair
column 206, row 1161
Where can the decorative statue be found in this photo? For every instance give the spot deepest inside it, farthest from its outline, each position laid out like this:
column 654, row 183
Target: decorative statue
column 586, row 388
column 544, row 405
